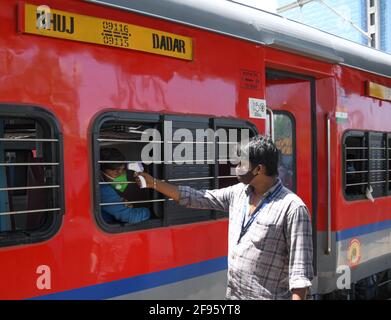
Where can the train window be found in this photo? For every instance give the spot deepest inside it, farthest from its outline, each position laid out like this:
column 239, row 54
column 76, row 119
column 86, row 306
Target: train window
column 356, row 164
column 285, row 138
column 31, row 199
column 378, row 163
column 365, row 165
column 160, row 143
column 119, row 140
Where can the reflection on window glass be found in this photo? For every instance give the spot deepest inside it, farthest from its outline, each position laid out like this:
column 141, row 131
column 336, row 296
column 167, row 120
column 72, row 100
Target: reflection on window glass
column 284, row 138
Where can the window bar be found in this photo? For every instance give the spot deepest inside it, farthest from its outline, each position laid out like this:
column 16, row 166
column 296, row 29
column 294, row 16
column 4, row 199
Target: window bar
column 190, row 142
column 28, row 211
column 119, row 182
column 357, row 172
column 126, row 140
column 169, row 180
column 162, row 162
column 228, row 142
column 10, row 164
column 356, row 184
column 30, row 188
column 27, row 140
column 130, row 202
column 379, row 182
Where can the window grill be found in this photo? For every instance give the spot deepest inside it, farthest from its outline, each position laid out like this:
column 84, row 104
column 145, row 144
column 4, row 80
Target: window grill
column 366, row 164
column 119, row 132
column 31, row 198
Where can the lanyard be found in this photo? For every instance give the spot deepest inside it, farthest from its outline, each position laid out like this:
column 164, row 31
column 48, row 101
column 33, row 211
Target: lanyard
column 258, row 209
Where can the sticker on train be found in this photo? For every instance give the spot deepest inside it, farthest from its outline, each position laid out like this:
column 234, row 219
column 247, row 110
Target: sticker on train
column 378, row 91
column 45, row 21
column 341, row 115
column 257, row 108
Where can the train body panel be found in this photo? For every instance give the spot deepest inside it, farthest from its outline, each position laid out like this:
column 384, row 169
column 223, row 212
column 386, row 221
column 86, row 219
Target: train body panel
column 79, row 82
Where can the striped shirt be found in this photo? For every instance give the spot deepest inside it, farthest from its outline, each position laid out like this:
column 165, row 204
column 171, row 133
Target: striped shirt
column 275, row 255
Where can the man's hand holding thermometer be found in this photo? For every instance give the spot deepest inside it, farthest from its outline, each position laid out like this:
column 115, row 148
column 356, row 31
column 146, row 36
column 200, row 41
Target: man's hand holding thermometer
column 144, row 180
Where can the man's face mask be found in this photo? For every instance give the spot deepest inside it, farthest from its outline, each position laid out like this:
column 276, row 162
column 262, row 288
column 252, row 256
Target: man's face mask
column 119, row 186
column 244, row 173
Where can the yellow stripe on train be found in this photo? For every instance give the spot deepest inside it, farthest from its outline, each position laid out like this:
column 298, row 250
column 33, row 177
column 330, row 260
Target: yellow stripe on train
column 47, row 22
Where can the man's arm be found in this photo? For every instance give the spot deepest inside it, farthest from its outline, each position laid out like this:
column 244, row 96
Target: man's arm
column 218, row 199
column 122, row 212
column 300, row 250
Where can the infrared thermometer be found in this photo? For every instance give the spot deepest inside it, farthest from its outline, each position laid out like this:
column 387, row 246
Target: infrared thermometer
column 138, row 167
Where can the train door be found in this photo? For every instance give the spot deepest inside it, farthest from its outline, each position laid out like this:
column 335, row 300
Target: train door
column 289, row 102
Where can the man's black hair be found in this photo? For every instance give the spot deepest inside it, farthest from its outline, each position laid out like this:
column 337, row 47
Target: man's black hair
column 111, row 154
column 262, row 150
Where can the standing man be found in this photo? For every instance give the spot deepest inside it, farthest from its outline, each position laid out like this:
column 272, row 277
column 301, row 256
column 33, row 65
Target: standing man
column 270, row 238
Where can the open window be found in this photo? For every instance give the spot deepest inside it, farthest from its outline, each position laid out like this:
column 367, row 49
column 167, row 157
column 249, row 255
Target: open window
column 129, row 134
column 31, row 193
column 182, row 150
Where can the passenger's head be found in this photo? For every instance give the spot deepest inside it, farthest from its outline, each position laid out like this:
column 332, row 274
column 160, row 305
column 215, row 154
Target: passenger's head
column 113, row 170
column 258, row 157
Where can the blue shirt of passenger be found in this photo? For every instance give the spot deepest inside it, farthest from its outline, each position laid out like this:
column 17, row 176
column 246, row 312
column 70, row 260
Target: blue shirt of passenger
column 120, row 212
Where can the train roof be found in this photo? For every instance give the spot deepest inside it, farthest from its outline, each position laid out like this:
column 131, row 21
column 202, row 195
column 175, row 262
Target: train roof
column 244, row 22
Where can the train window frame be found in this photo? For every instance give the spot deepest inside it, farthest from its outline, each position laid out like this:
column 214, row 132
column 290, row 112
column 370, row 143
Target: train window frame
column 294, row 144
column 45, row 119
column 365, row 134
column 157, row 119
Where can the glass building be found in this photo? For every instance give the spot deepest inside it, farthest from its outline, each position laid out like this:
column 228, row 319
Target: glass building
column 349, row 19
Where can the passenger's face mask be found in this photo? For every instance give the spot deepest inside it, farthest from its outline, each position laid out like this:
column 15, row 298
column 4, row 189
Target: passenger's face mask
column 118, row 186
column 244, row 173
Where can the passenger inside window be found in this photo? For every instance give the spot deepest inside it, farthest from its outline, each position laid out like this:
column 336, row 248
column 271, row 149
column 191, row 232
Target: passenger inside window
column 115, row 191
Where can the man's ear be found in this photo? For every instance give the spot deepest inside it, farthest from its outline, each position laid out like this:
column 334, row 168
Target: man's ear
column 261, row 169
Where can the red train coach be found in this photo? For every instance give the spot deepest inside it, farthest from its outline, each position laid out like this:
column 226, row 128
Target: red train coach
column 80, row 75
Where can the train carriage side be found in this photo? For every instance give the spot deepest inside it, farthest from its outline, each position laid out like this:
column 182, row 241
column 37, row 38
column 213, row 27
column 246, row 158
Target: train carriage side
column 360, row 200
column 62, row 100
